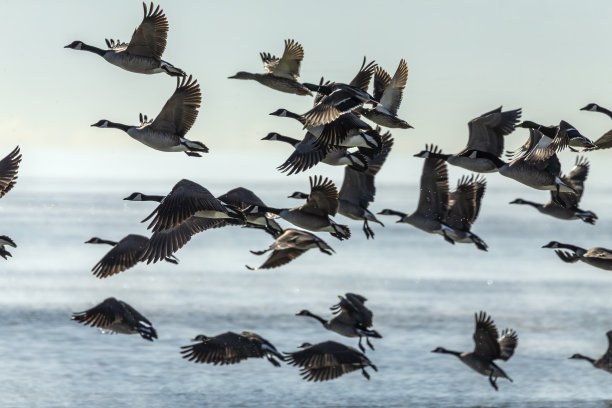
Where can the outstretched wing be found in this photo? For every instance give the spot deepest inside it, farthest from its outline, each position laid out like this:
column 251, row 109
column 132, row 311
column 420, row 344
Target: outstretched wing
column 149, row 39
column 181, row 110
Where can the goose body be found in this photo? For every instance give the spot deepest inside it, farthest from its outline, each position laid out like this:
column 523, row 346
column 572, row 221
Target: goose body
column 328, row 360
column 486, row 134
column 281, row 73
column 230, row 348
column 244, row 200
column 315, row 214
column 603, row 362
column 166, row 133
column 388, row 92
column 352, row 319
column 187, row 210
column 143, row 53
column 489, row 346
column 569, row 211
column 124, row 254
column 597, row 256
column 117, row 316
column 289, row 245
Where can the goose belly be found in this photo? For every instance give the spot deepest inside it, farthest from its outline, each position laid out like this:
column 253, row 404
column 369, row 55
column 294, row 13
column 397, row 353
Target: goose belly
column 385, row 119
column 352, row 211
column 282, row 84
column 133, row 63
column 605, row 264
column 307, row 221
column 530, row 176
column 165, row 142
column 122, row 328
column 478, row 165
column 483, row 367
column 211, row 214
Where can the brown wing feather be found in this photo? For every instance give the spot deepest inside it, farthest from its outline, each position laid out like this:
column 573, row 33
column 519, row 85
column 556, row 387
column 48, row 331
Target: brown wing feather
column 149, row 38
column 122, row 256
column 485, row 337
column 323, row 198
column 9, row 166
column 226, row 348
column 181, row 110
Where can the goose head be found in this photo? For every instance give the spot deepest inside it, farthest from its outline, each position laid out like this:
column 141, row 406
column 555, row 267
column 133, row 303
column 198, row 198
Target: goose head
column 101, row 123
column 528, row 124
column 552, row 244
column 75, row 45
column 298, row 195
column 200, row 337
column 280, row 112
column 271, row 136
column 242, row 75
column 439, row 350
column 518, row 201
column 423, row 154
column 590, row 107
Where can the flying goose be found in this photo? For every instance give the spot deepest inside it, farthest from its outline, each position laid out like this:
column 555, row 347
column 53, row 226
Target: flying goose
column 188, row 209
column 9, row 166
column 605, row 141
column 244, row 199
column 167, row 132
column 230, row 348
column 604, row 362
column 289, row 245
column 486, row 134
column 314, row 214
column 570, row 211
column 338, row 98
column 143, row 54
column 358, row 190
column 125, row 254
column 563, row 135
column 328, row 360
column 597, row 257
column 539, row 173
column 388, row 92
column 488, row 347
column 117, row 316
column 281, row 74
column 308, row 153
column 352, row 319
column 348, row 131
column 4, row 242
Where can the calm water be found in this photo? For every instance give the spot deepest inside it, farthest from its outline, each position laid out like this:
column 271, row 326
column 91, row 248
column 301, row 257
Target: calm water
column 422, row 290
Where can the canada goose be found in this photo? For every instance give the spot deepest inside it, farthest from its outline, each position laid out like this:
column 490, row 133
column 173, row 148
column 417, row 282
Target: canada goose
column 433, row 199
column 538, row 173
column 167, row 132
column 597, row 257
column 489, row 347
column 230, row 348
column 604, row 362
column 605, row 141
column 117, row 316
column 486, row 134
column 388, row 91
column 358, row 190
column 143, row 54
column 328, row 360
column 188, row 209
column 4, row 242
column 289, row 245
column 9, row 166
column 244, row 199
column 281, row 74
column 339, row 98
column 563, row 135
column 348, row 131
column 308, row 153
column 463, row 209
column 314, row 214
column 570, row 211
column 125, row 254
column 352, row 318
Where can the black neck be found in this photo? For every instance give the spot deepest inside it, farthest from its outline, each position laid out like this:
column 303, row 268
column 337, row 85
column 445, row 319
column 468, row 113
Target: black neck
column 118, row 126
column 604, row 110
column 314, row 316
column 445, row 351
column 93, row 49
column 269, row 209
column 531, row 203
column 580, row 356
column 294, row 116
column 570, row 247
column 104, row 241
column 497, row 162
column 287, row 139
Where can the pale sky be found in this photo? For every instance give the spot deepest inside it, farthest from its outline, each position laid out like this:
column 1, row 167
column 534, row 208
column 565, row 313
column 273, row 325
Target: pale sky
column 465, row 57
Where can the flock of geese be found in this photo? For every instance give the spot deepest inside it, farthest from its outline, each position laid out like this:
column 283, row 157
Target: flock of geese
column 336, row 134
